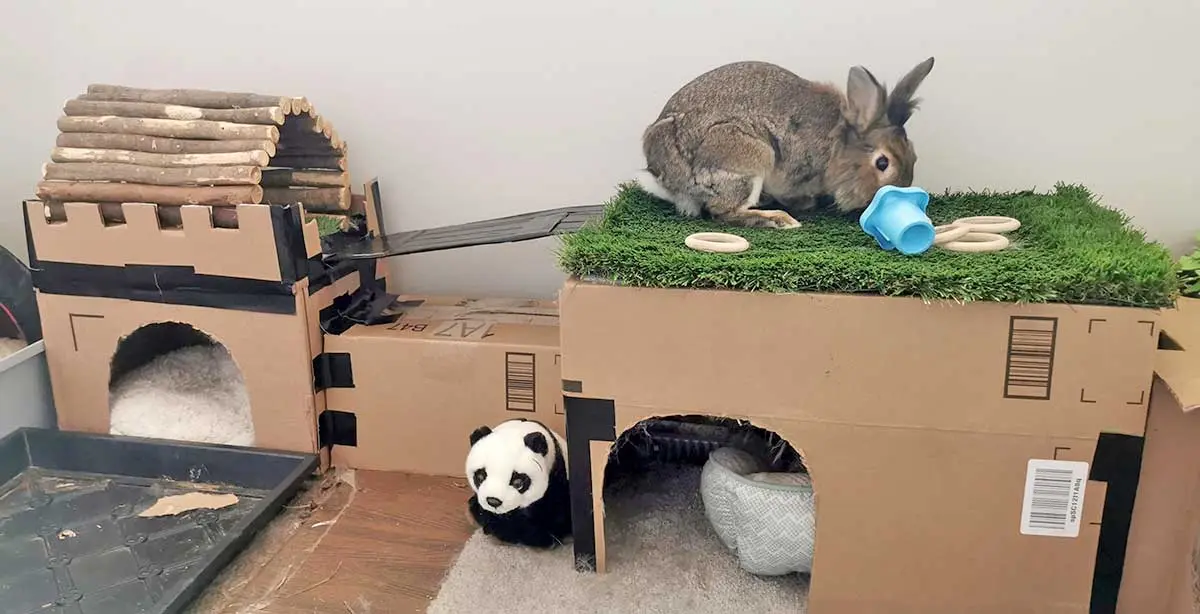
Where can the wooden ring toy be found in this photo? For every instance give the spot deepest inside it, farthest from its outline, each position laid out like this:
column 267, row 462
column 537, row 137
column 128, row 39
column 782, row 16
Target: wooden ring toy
column 949, row 232
column 716, row 242
column 977, row 242
column 992, row 224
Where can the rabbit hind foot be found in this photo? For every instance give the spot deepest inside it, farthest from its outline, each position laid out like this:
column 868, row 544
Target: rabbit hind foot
column 734, row 201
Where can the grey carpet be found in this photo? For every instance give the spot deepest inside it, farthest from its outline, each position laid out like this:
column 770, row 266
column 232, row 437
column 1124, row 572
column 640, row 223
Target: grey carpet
column 663, row 557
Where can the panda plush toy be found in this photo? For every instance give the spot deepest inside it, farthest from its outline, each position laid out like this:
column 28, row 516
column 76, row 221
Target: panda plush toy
column 518, row 472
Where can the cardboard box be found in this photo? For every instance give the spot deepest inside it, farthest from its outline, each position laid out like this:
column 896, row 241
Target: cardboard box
column 259, row 289
column 1159, row 565
column 91, row 339
column 410, row 393
column 917, row 420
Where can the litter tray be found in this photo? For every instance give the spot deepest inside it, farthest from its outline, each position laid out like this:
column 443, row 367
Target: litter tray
column 72, row 538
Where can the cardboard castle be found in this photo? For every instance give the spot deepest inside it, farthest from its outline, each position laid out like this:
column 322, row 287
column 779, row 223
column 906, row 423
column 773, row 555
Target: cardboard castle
column 918, row 420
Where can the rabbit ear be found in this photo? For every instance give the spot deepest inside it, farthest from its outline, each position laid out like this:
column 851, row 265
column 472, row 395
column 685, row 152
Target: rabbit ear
column 901, row 103
column 866, row 96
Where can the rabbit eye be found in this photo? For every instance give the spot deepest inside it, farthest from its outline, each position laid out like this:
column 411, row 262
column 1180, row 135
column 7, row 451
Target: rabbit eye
column 881, row 163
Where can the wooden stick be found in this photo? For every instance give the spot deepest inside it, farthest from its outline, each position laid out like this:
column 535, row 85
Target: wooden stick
column 257, row 115
column 153, row 144
column 169, row 216
column 153, row 175
column 309, row 162
column 300, row 105
column 141, row 193
column 287, row 177
column 172, row 128
column 117, row 156
column 315, row 200
column 209, row 99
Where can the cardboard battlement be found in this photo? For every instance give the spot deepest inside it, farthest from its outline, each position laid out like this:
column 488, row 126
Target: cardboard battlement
column 253, row 249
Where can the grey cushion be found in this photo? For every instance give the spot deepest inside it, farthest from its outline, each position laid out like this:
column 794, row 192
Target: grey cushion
column 767, row 519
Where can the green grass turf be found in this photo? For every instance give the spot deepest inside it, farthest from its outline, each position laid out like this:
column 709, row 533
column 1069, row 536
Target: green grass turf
column 1069, row 249
column 326, row 224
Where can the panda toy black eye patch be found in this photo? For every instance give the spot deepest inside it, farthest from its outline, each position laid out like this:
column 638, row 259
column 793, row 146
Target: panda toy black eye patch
column 537, row 443
column 479, row 476
column 520, row 482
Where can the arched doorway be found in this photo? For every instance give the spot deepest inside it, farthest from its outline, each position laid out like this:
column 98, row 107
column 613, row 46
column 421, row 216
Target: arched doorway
column 657, row 524
column 169, row 380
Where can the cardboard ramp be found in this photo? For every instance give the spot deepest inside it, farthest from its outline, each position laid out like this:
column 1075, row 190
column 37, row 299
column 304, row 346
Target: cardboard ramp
column 511, row 229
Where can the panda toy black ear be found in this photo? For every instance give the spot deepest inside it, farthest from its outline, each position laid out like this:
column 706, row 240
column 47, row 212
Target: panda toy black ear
column 480, row 433
column 537, row 442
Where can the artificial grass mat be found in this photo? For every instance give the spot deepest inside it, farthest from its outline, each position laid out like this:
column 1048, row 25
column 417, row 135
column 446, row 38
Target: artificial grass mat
column 1069, row 249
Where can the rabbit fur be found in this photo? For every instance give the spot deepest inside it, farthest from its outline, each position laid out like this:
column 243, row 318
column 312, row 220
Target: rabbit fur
column 750, row 135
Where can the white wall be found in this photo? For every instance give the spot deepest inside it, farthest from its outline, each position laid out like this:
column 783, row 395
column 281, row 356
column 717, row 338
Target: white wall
column 467, row 110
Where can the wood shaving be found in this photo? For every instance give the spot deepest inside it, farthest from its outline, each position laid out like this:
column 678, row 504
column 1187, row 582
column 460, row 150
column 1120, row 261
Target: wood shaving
column 178, row 504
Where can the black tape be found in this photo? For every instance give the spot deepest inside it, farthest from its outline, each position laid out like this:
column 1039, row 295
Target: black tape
column 29, row 248
column 588, row 420
column 321, row 275
column 1118, row 463
column 287, row 221
column 333, row 370
column 367, row 305
column 374, row 188
column 174, row 285
column 337, row 428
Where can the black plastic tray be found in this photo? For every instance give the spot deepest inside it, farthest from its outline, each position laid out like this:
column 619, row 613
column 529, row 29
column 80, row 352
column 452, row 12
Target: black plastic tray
column 71, row 540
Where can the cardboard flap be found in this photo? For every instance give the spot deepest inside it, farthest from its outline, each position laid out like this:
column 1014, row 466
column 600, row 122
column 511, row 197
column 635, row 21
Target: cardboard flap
column 1178, row 359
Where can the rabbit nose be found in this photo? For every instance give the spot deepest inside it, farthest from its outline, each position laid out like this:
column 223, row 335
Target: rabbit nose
column 494, row 502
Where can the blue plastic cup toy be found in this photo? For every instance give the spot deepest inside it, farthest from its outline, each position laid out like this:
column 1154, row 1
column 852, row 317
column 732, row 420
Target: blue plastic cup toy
column 896, row 219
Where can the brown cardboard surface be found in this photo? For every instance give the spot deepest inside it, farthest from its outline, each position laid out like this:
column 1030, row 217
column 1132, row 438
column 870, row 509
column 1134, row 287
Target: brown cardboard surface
column 445, row 367
column 863, row 360
column 1166, row 518
column 248, row 251
column 1175, row 365
column 916, row 419
column 599, row 451
column 272, row 350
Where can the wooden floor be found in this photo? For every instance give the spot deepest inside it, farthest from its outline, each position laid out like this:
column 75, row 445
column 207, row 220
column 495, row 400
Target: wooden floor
column 359, row 543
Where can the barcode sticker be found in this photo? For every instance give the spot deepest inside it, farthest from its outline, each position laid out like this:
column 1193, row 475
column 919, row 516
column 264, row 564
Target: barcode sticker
column 1029, row 367
column 520, row 381
column 1053, row 504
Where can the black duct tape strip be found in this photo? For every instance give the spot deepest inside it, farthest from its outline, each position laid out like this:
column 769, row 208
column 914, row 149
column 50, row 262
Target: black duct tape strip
column 174, row 285
column 366, row 305
column 333, row 370
column 588, row 420
column 337, row 428
column 322, row 275
column 287, row 221
column 375, row 195
column 1118, row 463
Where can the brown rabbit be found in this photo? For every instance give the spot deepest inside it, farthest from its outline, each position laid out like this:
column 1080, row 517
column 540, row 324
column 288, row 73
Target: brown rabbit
column 749, row 133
